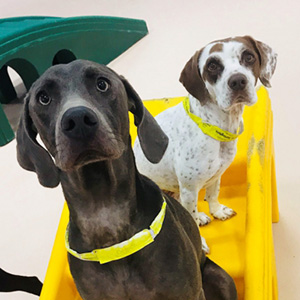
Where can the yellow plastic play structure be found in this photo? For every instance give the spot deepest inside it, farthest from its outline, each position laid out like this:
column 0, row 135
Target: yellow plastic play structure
column 243, row 245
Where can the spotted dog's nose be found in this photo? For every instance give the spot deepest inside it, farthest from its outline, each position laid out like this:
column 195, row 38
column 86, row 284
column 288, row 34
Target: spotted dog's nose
column 237, row 82
column 79, row 123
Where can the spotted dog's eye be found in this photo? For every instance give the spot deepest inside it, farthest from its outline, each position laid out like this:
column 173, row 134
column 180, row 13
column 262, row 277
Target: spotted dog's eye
column 212, row 67
column 248, row 57
column 102, row 85
column 43, row 98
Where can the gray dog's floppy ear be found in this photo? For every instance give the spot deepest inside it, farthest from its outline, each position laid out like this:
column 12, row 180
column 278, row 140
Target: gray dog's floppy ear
column 191, row 78
column 31, row 156
column 153, row 140
column 268, row 60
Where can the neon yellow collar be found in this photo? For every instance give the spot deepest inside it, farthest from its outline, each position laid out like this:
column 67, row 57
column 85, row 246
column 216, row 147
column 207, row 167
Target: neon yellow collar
column 212, row 130
column 118, row 251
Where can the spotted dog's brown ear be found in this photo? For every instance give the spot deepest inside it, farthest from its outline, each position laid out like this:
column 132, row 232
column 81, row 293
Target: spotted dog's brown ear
column 153, row 140
column 191, row 79
column 268, row 60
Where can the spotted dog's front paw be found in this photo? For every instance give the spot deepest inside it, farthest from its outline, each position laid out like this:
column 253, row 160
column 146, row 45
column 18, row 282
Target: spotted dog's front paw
column 202, row 219
column 223, row 212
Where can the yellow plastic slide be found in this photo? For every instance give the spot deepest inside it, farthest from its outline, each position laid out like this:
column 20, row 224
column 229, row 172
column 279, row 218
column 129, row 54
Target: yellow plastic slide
column 243, row 245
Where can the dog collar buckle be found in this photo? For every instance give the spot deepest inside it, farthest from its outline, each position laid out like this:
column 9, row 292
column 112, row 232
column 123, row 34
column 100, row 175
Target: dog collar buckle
column 152, row 233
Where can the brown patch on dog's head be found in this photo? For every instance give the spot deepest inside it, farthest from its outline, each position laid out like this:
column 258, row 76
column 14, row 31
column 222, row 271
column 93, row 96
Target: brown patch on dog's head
column 250, row 49
column 267, row 58
column 216, row 48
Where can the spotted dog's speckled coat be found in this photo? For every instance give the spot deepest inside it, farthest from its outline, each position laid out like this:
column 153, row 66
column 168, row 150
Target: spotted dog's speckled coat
column 220, row 79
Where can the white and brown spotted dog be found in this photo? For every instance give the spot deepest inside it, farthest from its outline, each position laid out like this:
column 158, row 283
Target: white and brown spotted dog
column 220, row 79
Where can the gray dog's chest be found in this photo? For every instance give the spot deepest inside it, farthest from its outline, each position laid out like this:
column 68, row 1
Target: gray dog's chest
column 119, row 283
column 114, row 283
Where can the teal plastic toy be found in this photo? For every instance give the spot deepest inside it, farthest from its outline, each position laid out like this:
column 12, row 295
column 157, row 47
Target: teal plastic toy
column 30, row 45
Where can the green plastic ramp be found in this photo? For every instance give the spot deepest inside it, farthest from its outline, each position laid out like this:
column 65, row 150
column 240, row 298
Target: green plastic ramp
column 30, row 45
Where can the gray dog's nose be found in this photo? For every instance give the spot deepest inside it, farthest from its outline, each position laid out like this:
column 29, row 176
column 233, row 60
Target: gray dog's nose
column 79, row 123
column 237, row 82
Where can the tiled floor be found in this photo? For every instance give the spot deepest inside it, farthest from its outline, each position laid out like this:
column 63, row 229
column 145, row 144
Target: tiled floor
column 29, row 213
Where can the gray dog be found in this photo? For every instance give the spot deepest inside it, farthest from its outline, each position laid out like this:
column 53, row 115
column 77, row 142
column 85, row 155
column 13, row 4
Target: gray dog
column 80, row 110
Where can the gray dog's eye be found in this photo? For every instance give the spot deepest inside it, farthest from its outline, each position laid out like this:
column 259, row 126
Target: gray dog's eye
column 102, row 85
column 43, row 98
